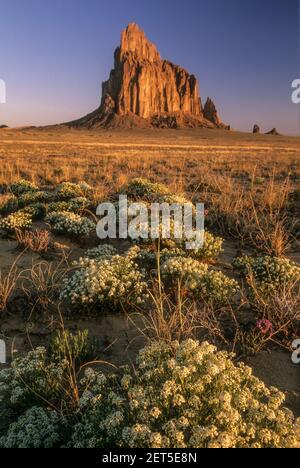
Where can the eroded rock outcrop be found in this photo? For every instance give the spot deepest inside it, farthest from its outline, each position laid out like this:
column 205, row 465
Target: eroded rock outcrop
column 145, row 91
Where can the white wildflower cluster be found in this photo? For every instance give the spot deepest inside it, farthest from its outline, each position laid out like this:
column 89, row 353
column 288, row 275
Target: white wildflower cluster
column 101, row 252
column 30, row 379
column 195, row 278
column 145, row 190
column 69, row 190
column 114, row 281
column 268, row 273
column 18, row 220
column 23, row 186
column 30, row 198
column 68, row 223
column 37, row 428
column 149, row 259
column 75, row 205
column 183, row 396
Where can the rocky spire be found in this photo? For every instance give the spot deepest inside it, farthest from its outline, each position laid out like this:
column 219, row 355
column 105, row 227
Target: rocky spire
column 144, row 90
column 210, row 112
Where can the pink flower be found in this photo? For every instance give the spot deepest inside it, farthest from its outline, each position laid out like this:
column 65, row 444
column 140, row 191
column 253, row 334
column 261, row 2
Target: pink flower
column 265, row 326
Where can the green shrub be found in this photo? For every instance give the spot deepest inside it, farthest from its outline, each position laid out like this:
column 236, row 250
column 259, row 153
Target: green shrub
column 71, row 224
column 144, row 190
column 37, row 428
column 22, row 187
column 183, row 396
column 31, row 198
column 18, row 220
column 75, row 205
column 195, row 278
column 8, row 204
column 268, row 274
column 112, row 282
column 69, row 190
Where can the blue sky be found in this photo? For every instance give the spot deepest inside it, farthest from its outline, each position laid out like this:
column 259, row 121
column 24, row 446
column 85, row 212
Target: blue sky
column 55, row 54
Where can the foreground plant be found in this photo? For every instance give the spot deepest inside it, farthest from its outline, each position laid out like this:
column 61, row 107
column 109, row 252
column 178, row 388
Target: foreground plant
column 200, row 283
column 19, row 220
column 69, row 190
column 70, row 224
column 115, row 281
column 183, row 396
column 23, row 186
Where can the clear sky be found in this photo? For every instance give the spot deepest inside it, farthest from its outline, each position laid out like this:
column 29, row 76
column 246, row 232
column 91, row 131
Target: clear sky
column 54, row 54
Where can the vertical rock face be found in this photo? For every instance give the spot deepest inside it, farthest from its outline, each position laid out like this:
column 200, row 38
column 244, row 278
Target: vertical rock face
column 143, row 84
column 144, row 90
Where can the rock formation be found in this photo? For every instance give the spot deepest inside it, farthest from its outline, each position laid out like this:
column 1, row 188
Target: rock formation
column 273, row 132
column 256, row 129
column 145, row 91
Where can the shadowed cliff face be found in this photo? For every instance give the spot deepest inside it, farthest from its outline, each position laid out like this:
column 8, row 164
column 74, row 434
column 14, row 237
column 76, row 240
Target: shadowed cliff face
column 143, row 90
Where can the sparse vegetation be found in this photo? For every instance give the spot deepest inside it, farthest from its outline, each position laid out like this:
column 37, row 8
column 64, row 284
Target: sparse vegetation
column 239, row 292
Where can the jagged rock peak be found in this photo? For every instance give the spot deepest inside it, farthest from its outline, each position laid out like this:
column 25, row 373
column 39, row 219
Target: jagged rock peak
column 145, row 91
column 210, row 112
column 134, row 41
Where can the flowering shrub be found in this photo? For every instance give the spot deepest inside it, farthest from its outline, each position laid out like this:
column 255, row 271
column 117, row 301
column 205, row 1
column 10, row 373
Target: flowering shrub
column 269, row 274
column 183, row 396
column 194, row 277
column 113, row 282
column 269, row 269
column 68, row 190
column 23, row 186
column 30, row 198
column 18, row 220
column 68, row 223
column 36, row 210
column 101, row 252
column 8, row 204
column 143, row 189
column 211, row 248
column 30, row 379
column 74, row 205
column 37, row 428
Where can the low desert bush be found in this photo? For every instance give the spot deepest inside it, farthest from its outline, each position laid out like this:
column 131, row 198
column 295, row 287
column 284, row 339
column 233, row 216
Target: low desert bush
column 113, row 282
column 19, row 220
column 36, row 428
column 185, row 395
column 195, row 279
column 68, row 190
column 23, row 186
column 75, row 205
column 8, row 204
column 269, row 274
column 144, row 190
column 31, row 198
column 70, row 224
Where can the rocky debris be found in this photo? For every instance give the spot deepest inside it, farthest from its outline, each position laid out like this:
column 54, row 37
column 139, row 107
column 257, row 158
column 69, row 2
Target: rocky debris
column 273, row 132
column 145, row 91
column 256, row 129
